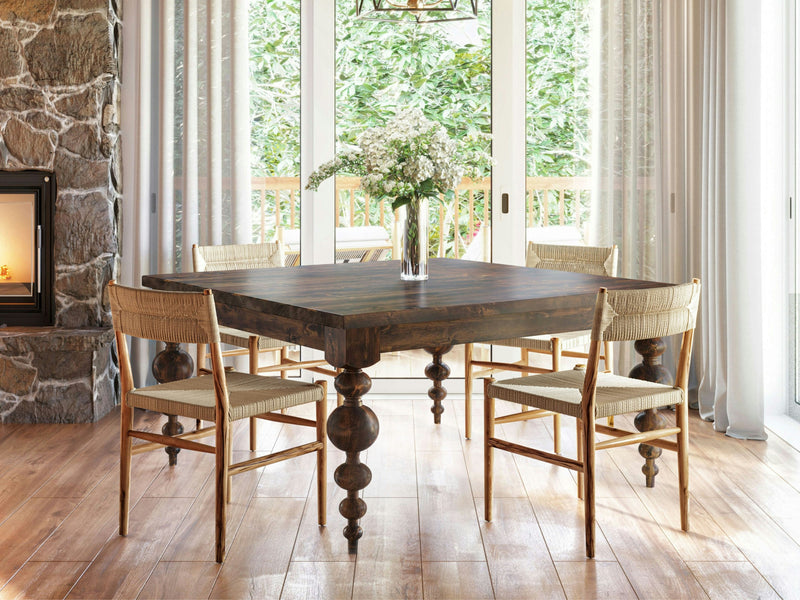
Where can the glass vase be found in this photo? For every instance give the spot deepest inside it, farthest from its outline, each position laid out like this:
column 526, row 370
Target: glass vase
column 414, row 255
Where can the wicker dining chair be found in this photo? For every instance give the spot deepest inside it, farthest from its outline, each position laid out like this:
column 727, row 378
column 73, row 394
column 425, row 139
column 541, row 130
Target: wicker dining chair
column 588, row 395
column 593, row 260
column 250, row 256
column 190, row 317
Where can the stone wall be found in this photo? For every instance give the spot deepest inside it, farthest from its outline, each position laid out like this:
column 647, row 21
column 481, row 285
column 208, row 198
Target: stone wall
column 59, row 108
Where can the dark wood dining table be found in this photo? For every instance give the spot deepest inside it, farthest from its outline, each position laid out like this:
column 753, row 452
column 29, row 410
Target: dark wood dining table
column 355, row 311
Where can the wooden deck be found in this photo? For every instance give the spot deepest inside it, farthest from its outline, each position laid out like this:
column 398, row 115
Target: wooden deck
column 424, row 535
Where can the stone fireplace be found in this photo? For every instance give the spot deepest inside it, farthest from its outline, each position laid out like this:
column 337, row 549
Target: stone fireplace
column 59, row 107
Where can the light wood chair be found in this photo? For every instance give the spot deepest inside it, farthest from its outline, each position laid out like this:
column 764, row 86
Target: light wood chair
column 190, row 317
column 250, row 256
column 619, row 316
column 593, row 260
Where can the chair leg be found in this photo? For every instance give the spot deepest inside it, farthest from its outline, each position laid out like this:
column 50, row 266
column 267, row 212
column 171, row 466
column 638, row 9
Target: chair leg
column 126, row 418
column 579, row 444
column 556, row 349
column 588, row 476
column 468, row 391
column 682, row 417
column 201, row 357
column 284, row 374
column 608, row 362
column 525, row 359
column 557, row 433
column 252, row 351
column 284, row 358
column 223, row 459
column 229, row 487
column 322, row 456
column 488, row 458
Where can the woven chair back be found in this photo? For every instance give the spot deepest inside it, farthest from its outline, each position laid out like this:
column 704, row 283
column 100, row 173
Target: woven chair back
column 237, row 256
column 625, row 315
column 592, row 260
column 181, row 317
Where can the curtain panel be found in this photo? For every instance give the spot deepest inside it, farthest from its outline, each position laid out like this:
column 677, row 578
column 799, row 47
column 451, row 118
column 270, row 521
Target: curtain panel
column 187, row 100
column 713, row 190
column 664, row 162
column 626, row 148
column 723, row 195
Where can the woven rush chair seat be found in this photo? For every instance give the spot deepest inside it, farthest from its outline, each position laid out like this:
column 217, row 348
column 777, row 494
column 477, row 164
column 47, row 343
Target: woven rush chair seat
column 624, row 315
column 591, row 260
column 249, row 396
column 561, row 392
column 221, row 397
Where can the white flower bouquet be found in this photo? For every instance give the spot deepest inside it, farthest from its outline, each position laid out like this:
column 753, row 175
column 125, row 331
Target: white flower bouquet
column 412, row 157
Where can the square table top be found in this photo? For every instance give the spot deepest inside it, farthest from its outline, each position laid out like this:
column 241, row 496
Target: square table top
column 462, row 301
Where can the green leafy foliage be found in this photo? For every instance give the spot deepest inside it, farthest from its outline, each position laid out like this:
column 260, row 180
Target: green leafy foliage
column 383, row 67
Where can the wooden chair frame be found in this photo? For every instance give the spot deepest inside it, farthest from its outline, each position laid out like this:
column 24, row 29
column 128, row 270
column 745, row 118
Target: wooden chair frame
column 221, row 449
column 523, row 365
column 587, row 429
column 252, row 351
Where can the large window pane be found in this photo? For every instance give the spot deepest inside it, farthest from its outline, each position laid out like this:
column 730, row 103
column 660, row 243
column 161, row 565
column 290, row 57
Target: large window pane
column 558, row 146
column 443, row 69
column 275, row 114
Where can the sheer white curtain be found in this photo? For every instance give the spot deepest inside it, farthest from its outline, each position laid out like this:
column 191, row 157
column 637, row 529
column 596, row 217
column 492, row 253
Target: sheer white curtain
column 186, row 134
column 626, row 154
column 625, row 133
column 727, row 189
column 717, row 184
column 678, row 192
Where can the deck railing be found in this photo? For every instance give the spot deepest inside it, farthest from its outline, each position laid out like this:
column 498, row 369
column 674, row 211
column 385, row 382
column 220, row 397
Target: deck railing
column 454, row 222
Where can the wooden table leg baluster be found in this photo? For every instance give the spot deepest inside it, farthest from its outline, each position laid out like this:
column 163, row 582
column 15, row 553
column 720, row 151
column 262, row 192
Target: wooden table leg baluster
column 650, row 369
column 437, row 371
column 171, row 364
column 352, row 428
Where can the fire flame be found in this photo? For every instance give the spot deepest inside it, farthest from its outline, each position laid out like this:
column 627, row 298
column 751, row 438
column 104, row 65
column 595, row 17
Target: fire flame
column 4, row 274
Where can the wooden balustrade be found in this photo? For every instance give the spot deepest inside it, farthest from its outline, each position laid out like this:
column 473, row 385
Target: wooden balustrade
column 549, row 201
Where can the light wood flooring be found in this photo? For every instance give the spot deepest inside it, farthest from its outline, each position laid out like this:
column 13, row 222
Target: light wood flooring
column 424, row 535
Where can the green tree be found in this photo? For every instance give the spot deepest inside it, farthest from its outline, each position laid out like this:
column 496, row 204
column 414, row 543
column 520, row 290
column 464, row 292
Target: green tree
column 382, row 66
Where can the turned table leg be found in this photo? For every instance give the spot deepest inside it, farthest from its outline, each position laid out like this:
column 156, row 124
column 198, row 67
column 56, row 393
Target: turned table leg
column 352, row 428
column 650, row 369
column 437, row 371
column 171, row 364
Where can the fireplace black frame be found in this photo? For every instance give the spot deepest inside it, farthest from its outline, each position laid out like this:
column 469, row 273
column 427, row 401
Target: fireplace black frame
column 40, row 310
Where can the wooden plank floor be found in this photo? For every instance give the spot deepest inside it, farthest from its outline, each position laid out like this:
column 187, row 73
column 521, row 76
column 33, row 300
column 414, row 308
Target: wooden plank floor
column 424, row 535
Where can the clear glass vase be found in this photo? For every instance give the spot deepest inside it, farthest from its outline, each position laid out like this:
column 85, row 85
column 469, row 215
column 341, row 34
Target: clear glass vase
column 414, row 256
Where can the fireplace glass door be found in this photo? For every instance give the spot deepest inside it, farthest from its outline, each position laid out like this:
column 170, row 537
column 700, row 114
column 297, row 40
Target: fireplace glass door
column 19, row 250
column 26, row 248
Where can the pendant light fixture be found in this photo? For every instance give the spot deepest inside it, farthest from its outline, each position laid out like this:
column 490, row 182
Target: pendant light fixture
column 419, row 11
